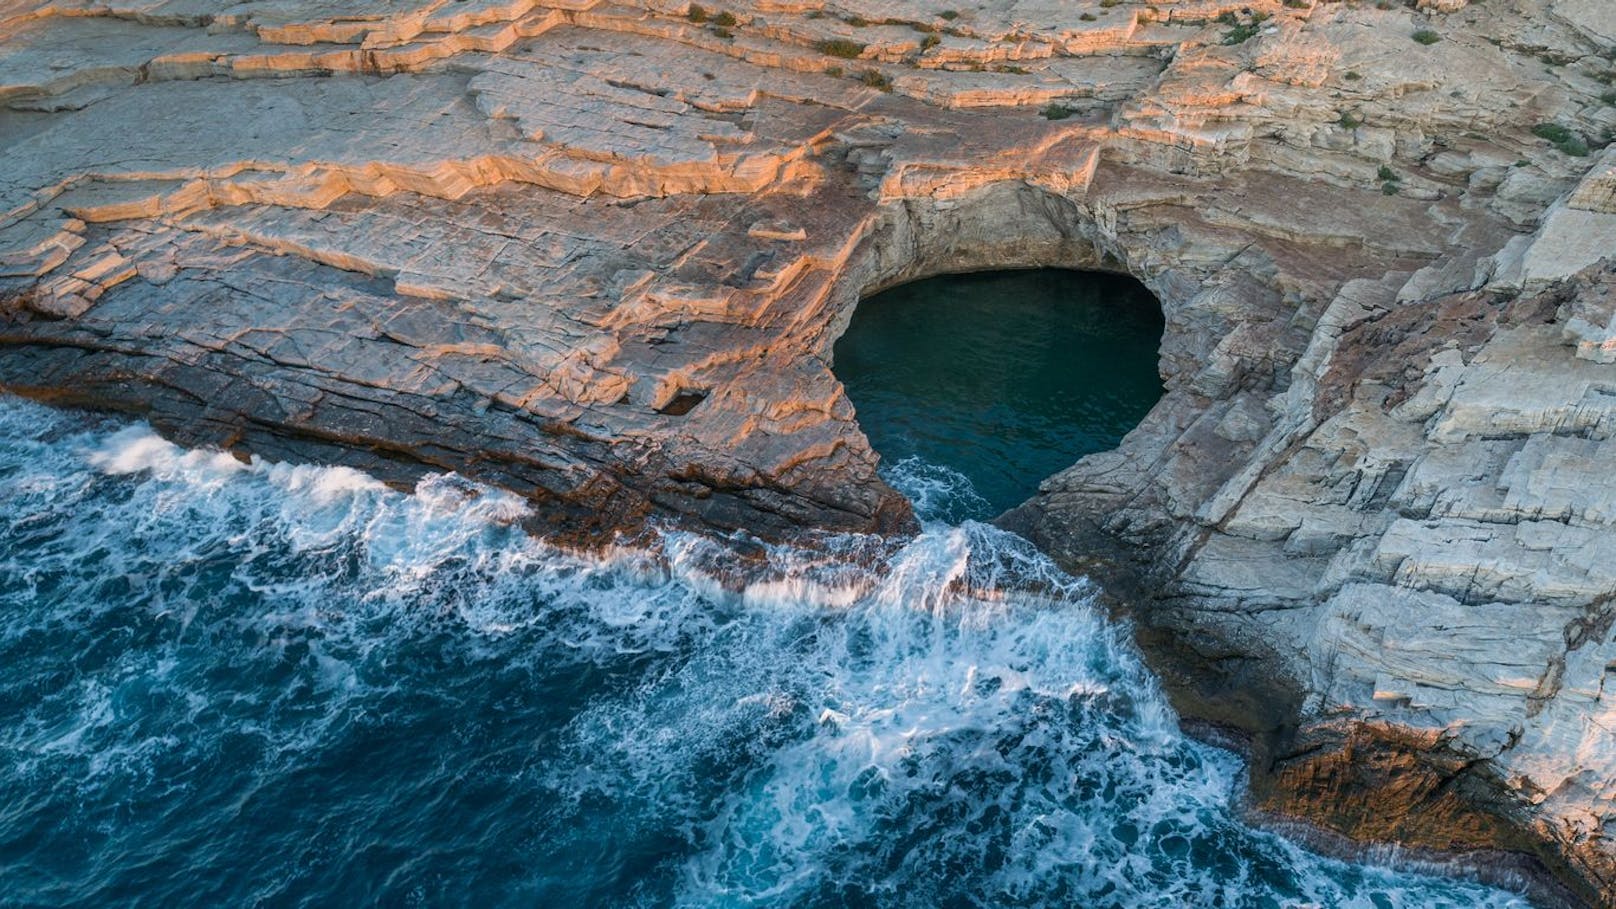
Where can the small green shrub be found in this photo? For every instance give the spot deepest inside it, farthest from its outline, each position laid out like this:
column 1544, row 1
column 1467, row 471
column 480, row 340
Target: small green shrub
column 1388, row 175
column 1014, row 70
column 1107, row 4
column 1240, row 34
column 1389, row 188
column 1426, row 36
column 929, row 42
column 1568, row 142
column 835, row 72
column 721, row 32
column 1242, row 31
column 696, row 13
column 1349, row 120
column 948, row 14
column 1352, row 75
column 1296, row 4
column 1609, row 98
column 874, row 78
column 724, row 19
column 1088, row 17
column 840, row 47
column 1553, row 132
column 1056, row 111
column 856, row 21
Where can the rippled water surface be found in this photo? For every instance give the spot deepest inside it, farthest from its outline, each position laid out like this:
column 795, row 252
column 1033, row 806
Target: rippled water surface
column 227, row 684
column 1006, row 377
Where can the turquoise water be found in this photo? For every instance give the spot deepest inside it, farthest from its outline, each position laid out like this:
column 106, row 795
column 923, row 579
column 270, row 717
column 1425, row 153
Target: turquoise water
column 230, row 685
column 1005, row 377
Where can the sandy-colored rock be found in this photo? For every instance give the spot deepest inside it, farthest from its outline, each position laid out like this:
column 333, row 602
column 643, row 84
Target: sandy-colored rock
column 1428, row 549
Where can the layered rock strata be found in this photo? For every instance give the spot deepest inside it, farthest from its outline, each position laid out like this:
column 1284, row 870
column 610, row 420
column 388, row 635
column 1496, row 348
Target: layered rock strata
column 599, row 253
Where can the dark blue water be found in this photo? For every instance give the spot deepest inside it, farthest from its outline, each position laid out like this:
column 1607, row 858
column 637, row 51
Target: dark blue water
column 230, row 685
column 1005, row 377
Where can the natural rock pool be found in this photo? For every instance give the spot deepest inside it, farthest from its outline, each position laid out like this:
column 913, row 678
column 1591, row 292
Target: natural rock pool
column 1003, row 378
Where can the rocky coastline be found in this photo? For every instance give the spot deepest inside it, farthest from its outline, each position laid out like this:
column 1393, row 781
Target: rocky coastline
column 599, row 254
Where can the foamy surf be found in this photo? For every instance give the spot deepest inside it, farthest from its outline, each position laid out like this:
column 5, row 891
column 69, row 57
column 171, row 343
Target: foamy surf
column 230, row 683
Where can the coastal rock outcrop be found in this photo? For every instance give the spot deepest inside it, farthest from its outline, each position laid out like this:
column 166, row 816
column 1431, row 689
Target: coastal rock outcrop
column 599, row 254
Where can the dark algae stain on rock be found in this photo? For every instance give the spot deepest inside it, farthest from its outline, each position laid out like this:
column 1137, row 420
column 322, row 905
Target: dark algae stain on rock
column 1005, row 377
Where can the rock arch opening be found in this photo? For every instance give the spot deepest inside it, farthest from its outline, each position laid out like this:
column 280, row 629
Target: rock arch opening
column 989, row 382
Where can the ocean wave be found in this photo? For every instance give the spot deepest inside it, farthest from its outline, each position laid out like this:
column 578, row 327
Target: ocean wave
column 235, row 681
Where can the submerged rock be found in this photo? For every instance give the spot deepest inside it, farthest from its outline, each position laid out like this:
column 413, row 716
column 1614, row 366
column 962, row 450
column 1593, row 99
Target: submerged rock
column 599, row 255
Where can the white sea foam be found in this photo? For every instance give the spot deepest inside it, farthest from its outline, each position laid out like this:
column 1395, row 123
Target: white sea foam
column 136, row 449
column 940, row 494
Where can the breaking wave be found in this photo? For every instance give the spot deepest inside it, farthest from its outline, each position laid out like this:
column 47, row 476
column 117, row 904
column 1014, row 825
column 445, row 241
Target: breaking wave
column 240, row 683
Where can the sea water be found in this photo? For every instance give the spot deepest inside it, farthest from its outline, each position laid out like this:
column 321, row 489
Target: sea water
column 229, row 684
column 1005, row 377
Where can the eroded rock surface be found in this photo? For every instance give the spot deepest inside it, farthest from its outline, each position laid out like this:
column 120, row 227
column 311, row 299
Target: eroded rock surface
column 599, row 253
